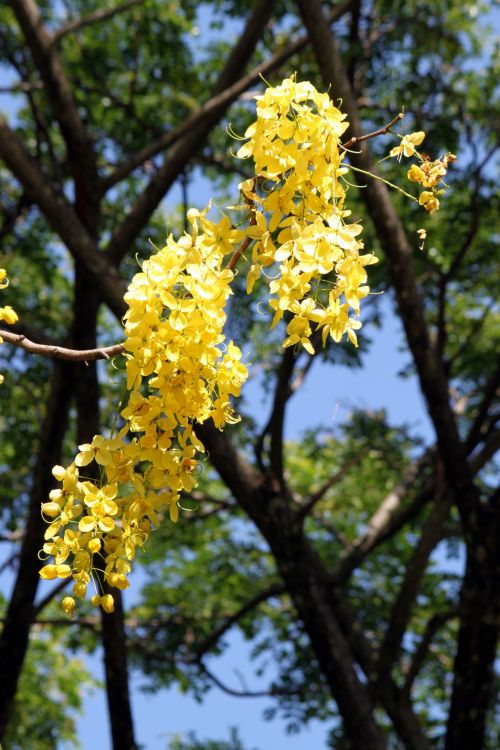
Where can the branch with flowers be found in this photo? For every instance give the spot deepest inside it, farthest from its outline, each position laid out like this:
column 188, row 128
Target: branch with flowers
column 292, row 220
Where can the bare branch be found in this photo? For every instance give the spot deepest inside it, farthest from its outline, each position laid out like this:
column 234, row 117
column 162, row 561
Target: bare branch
column 405, row 601
column 387, row 519
column 331, row 482
column 436, row 622
column 381, row 131
column 243, row 693
column 276, row 589
column 60, row 352
column 97, row 17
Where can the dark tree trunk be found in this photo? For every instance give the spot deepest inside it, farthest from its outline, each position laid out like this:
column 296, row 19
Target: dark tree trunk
column 15, row 634
column 86, row 306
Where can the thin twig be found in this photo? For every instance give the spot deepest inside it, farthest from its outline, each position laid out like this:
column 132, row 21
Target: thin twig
column 61, row 352
column 244, row 693
column 436, row 622
column 99, row 15
column 275, row 590
column 374, row 134
column 334, row 479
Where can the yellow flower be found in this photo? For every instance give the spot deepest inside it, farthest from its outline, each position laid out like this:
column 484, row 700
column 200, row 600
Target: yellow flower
column 8, row 314
column 68, row 605
column 107, row 603
column 428, row 201
column 415, row 174
column 49, row 572
column 407, row 145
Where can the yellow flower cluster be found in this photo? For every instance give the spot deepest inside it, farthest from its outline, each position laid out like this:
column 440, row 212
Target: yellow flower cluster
column 299, row 221
column 179, row 372
column 428, row 174
column 6, row 313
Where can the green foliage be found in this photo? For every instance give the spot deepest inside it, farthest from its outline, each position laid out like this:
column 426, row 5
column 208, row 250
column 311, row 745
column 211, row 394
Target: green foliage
column 45, row 717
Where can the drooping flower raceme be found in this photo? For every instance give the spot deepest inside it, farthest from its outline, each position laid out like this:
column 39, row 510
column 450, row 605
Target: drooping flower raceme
column 427, row 173
column 300, row 219
column 180, row 371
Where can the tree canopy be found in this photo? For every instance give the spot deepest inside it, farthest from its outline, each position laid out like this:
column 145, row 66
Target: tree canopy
column 329, row 552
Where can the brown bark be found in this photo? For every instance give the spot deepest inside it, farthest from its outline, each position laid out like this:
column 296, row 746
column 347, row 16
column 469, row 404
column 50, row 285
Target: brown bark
column 15, row 634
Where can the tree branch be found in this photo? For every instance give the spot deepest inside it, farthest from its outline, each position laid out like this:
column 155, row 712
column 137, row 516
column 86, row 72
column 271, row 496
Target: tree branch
column 191, row 141
column 277, row 418
column 490, row 392
column 331, row 482
column 276, row 589
column 15, row 634
column 53, row 594
column 97, row 17
column 241, row 693
column 436, row 622
column 405, row 601
column 381, row 131
column 60, row 352
column 399, row 256
column 387, row 519
column 306, row 581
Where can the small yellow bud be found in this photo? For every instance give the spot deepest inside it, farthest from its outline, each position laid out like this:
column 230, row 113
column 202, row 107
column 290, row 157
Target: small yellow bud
column 8, row 314
column 51, row 509
column 80, row 589
column 108, row 603
column 94, row 545
column 96, row 600
column 68, row 605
